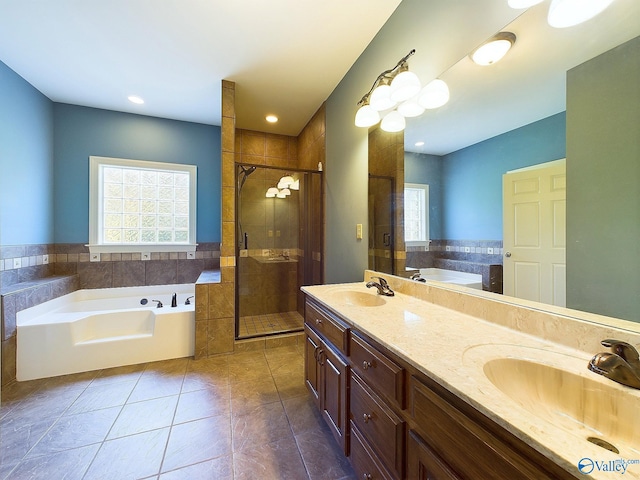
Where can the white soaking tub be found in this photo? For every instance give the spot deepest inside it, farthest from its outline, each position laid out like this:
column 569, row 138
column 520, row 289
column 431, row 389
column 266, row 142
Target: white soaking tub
column 471, row 280
column 102, row 328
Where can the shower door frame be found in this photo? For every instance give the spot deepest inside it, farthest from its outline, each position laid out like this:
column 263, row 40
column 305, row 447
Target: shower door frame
column 307, row 259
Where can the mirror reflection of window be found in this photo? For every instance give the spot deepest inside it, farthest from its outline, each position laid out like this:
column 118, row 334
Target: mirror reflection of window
column 416, row 214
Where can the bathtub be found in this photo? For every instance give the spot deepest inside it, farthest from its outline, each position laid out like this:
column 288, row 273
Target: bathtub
column 471, row 280
column 102, row 328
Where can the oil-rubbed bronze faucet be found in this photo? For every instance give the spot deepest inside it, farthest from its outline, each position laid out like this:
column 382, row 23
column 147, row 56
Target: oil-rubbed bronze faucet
column 382, row 286
column 621, row 365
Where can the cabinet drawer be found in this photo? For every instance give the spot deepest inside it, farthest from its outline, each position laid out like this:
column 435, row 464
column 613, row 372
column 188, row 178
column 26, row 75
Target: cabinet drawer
column 328, row 326
column 377, row 370
column 379, row 425
column 363, row 460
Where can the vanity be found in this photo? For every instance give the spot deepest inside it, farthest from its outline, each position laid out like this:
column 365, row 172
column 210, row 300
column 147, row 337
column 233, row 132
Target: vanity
column 437, row 383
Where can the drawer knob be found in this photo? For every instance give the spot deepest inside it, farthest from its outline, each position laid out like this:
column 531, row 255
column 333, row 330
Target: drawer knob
column 318, row 321
column 366, row 365
column 367, row 476
column 366, row 417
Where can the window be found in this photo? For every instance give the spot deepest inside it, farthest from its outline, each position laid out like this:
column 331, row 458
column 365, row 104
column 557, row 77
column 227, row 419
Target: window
column 137, row 206
column 416, row 214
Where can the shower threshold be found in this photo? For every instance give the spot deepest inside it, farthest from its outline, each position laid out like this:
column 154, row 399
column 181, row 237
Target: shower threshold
column 269, row 324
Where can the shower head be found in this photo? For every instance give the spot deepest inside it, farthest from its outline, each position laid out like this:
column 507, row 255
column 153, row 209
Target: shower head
column 245, row 172
column 248, row 170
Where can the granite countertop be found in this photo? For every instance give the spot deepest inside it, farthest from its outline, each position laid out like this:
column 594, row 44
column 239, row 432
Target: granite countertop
column 452, row 348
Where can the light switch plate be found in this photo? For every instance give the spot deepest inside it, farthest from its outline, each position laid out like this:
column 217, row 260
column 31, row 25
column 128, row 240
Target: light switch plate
column 490, row 251
column 17, row 262
column 145, row 256
column 359, row 231
column 45, row 259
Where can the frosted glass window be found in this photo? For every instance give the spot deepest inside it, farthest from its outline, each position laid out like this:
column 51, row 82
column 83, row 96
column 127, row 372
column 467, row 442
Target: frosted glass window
column 143, row 203
column 416, row 214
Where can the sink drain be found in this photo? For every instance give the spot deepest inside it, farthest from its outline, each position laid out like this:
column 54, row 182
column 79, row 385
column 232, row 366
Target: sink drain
column 603, row 443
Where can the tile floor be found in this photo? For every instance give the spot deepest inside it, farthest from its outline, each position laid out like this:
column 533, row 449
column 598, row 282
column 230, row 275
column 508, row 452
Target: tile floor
column 246, row 415
column 255, row 325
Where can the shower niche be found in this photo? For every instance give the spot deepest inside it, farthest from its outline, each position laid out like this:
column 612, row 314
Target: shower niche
column 279, row 238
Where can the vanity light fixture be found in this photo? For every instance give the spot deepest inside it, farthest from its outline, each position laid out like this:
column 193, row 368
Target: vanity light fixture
column 567, row 13
column 523, row 3
column 285, row 182
column 272, row 192
column 493, row 49
column 394, row 95
column 271, row 118
column 135, row 99
column 419, row 144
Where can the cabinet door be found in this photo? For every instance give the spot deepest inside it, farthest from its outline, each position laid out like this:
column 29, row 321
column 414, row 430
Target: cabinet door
column 333, row 392
column 424, row 464
column 311, row 364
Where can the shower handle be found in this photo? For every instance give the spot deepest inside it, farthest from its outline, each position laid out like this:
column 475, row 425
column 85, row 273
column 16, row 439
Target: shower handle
column 246, row 240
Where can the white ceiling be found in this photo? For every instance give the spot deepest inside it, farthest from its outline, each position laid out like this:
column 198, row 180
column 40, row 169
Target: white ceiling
column 286, row 56
column 526, row 86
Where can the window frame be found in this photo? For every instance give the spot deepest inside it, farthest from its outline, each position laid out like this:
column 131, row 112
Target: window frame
column 96, row 244
column 426, row 241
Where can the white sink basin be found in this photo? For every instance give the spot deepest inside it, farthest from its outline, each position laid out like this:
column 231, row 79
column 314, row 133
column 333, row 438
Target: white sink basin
column 559, row 389
column 357, row 299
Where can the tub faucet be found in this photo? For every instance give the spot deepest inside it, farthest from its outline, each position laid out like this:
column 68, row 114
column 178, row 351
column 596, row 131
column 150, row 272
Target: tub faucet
column 621, row 365
column 417, row 277
column 159, row 303
column 382, row 286
column 188, row 300
column 174, row 300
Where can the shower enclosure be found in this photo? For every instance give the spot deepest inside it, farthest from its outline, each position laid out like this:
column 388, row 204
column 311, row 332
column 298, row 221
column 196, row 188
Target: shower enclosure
column 279, row 228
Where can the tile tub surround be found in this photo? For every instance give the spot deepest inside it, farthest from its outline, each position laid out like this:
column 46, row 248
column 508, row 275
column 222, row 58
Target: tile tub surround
column 483, row 257
column 408, row 323
column 181, row 418
column 129, row 270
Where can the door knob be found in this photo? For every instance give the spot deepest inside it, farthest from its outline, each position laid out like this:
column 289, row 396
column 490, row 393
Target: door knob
column 508, row 254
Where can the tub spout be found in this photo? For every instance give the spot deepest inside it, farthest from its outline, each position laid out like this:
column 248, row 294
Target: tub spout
column 174, row 300
column 159, row 303
column 188, row 300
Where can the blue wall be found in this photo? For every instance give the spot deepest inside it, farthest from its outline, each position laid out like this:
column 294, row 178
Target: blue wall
column 427, row 169
column 472, row 177
column 81, row 132
column 26, row 162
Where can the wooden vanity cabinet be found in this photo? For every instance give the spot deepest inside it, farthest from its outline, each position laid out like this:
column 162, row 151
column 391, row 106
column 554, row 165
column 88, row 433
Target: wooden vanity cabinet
column 326, row 373
column 397, row 423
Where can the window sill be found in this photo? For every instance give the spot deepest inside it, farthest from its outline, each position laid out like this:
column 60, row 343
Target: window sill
column 190, row 249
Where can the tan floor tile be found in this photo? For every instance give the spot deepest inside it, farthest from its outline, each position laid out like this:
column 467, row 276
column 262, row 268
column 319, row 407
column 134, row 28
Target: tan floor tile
column 144, row 416
column 137, row 456
column 275, row 460
column 219, row 469
column 203, row 403
column 74, row 463
column 197, row 441
column 260, row 425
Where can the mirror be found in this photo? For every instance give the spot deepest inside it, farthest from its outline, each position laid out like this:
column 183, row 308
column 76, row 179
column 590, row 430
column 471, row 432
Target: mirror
column 527, row 88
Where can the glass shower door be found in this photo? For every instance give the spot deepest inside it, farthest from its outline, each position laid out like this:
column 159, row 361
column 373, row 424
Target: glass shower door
column 274, row 255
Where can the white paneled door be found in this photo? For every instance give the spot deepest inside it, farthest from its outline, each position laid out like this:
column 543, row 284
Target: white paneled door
column 534, row 233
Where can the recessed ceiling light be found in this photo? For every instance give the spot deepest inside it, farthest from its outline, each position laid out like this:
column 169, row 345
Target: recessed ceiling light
column 135, row 99
column 419, row 144
column 271, row 118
